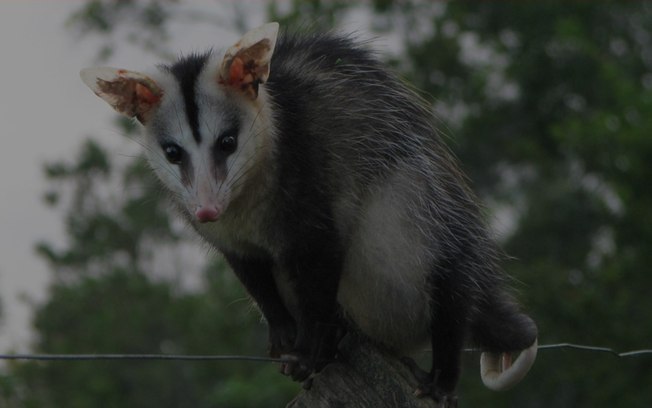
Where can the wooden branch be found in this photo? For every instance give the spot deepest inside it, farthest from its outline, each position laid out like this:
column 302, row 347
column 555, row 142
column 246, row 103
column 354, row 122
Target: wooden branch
column 366, row 377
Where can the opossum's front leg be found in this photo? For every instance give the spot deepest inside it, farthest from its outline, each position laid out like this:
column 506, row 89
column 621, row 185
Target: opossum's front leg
column 315, row 267
column 255, row 273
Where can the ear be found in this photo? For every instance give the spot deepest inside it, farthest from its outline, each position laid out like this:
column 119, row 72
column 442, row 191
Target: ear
column 246, row 64
column 130, row 93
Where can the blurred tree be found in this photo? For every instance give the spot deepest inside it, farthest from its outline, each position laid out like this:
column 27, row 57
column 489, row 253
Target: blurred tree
column 124, row 311
column 139, row 22
column 111, row 296
column 549, row 108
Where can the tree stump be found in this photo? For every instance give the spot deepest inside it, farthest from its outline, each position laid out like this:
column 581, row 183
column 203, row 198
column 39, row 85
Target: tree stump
column 365, row 377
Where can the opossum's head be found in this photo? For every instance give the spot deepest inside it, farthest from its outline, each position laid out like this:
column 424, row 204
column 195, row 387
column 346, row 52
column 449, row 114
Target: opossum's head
column 206, row 118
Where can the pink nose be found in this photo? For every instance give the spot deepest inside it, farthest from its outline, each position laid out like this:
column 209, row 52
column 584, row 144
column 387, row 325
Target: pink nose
column 207, row 214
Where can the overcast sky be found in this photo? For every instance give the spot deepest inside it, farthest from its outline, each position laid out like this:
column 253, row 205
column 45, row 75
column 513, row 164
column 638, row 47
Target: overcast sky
column 45, row 113
column 42, row 117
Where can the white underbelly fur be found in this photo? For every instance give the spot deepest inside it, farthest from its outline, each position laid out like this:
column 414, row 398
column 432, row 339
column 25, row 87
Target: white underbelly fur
column 388, row 258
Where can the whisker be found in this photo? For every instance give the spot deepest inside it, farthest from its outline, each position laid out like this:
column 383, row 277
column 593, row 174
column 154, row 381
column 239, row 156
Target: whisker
column 250, row 136
column 243, row 167
column 243, row 172
column 156, row 152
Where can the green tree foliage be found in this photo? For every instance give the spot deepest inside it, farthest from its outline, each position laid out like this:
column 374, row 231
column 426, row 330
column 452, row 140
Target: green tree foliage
column 549, row 108
column 126, row 312
column 566, row 153
column 104, row 227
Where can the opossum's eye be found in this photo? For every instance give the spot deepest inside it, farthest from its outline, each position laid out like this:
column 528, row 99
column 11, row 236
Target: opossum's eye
column 173, row 152
column 228, row 141
column 228, row 144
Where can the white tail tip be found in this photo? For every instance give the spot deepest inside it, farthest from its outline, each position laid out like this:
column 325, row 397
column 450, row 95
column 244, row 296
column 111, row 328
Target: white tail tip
column 499, row 374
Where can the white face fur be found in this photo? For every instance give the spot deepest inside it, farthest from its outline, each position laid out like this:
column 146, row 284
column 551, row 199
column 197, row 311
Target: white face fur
column 205, row 117
column 232, row 132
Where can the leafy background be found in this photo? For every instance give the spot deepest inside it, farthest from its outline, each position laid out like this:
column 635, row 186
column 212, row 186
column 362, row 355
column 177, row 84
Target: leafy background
column 547, row 105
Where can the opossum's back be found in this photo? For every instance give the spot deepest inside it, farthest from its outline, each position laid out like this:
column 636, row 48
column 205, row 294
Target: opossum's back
column 344, row 117
column 351, row 125
column 333, row 93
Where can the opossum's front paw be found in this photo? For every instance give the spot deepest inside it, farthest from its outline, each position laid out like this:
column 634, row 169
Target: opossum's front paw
column 297, row 366
column 300, row 365
column 282, row 338
column 313, row 352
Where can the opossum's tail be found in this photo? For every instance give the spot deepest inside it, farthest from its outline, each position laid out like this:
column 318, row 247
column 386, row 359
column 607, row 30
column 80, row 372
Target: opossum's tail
column 500, row 329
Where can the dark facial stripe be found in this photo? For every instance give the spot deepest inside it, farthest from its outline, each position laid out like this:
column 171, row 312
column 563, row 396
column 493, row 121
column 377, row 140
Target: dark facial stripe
column 186, row 70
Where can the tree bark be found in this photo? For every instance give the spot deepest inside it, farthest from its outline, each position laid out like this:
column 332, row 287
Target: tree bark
column 366, row 376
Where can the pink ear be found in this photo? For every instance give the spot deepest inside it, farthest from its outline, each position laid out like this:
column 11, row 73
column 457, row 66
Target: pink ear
column 246, row 64
column 130, row 93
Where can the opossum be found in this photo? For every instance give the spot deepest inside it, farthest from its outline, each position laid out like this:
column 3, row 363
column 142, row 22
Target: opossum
column 323, row 181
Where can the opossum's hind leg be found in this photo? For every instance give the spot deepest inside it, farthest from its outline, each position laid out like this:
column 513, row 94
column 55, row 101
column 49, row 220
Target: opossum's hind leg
column 449, row 322
column 427, row 384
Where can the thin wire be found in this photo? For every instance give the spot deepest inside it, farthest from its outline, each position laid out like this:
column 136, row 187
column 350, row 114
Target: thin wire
column 185, row 357
column 598, row 349
column 587, row 348
column 96, row 357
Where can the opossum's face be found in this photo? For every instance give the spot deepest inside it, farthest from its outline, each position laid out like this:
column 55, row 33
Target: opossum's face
column 206, row 119
column 205, row 144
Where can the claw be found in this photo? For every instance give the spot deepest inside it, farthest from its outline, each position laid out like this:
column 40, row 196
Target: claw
column 428, row 385
column 296, row 366
column 307, row 384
